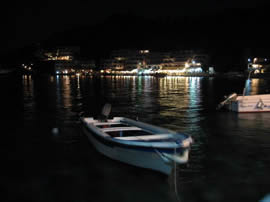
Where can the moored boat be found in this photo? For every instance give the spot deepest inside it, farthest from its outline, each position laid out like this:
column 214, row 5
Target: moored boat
column 138, row 143
column 246, row 103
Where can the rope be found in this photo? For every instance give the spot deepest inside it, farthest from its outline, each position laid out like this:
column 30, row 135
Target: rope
column 175, row 171
column 175, row 178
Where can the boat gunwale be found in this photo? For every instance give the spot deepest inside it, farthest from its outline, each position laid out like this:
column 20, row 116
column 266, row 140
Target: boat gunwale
column 107, row 139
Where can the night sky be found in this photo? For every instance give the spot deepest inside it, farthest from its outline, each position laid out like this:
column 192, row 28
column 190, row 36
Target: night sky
column 26, row 22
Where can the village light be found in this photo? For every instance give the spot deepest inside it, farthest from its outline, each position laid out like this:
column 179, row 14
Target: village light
column 255, row 60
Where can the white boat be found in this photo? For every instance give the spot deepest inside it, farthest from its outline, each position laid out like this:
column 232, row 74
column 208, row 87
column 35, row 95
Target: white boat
column 137, row 143
column 247, row 103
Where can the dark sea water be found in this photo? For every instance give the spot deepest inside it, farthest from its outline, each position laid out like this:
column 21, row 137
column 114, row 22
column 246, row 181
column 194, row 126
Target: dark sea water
column 229, row 160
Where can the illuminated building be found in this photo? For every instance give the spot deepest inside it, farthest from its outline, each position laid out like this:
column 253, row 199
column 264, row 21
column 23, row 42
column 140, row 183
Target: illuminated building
column 59, row 53
column 258, row 64
column 63, row 60
column 125, row 60
column 151, row 62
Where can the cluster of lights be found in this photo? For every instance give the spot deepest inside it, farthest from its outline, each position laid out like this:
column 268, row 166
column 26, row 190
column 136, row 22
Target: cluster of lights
column 27, row 67
column 152, row 72
column 73, row 71
column 257, row 60
column 257, row 64
column 144, row 51
column 66, row 58
column 196, row 64
column 120, row 58
column 192, row 67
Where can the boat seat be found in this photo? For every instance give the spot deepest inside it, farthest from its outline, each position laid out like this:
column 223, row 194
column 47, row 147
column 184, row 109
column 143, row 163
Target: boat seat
column 106, row 123
column 115, row 129
column 146, row 137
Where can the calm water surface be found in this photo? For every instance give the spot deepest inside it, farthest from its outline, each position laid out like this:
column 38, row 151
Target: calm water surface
column 229, row 159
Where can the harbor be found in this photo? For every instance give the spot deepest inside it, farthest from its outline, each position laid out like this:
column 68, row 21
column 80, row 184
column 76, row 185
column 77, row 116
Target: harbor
column 128, row 102
column 69, row 60
column 229, row 149
column 180, row 92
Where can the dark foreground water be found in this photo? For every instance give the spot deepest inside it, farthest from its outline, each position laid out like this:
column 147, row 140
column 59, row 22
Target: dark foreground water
column 229, row 161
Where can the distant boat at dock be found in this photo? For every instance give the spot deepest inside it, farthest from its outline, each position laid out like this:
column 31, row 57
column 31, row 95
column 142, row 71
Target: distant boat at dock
column 246, row 103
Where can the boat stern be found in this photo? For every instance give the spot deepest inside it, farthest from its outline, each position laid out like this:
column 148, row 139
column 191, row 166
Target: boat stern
column 176, row 157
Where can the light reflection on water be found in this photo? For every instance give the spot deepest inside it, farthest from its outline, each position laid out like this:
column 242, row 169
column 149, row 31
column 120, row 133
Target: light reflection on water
column 256, row 86
column 227, row 147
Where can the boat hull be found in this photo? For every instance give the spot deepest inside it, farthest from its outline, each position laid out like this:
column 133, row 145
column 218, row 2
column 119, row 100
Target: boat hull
column 149, row 158
column 251, row 103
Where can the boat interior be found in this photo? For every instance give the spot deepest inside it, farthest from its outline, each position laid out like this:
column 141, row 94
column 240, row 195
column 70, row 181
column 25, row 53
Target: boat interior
column 124, row 131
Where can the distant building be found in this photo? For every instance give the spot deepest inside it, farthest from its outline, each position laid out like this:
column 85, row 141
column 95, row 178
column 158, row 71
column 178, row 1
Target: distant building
column 63, row 60
column 59, row 53
column 124, row 60
column 145, row 61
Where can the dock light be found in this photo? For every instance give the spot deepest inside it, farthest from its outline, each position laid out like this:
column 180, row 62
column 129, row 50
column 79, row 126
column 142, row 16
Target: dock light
column 134, row 71
column 57, row 72
column 144, row 51
column 249, row 60
column 256, row 71
column 255, row 60
column 193, row 62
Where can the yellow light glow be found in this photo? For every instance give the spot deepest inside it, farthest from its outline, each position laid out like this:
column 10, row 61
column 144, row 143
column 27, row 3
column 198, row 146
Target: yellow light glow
column 144, row 51
column 256, row 66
